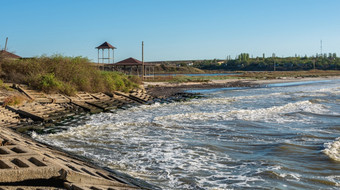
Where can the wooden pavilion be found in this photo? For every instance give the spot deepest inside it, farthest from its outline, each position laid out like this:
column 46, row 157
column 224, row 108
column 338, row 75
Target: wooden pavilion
column 132, row 66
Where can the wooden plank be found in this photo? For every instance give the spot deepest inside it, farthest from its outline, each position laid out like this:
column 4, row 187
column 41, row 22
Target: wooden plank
column 87, row 107
column 26, row 114
column 129, row 97
column 24, row 91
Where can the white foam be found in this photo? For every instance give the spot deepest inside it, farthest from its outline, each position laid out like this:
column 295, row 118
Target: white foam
column 271, row 114
column 290, row 176
column 167, row 155
column 332, row 149
column 335, row 179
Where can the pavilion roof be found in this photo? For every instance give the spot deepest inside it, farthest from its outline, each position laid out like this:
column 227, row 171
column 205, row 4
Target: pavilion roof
column 106, row 45
column 8, row 55
column 130, row 62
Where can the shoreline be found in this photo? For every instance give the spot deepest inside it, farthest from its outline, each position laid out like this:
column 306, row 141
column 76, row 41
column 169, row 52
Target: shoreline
column 166, row 89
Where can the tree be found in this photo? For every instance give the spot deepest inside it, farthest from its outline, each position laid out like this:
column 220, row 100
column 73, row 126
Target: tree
column 243, row 57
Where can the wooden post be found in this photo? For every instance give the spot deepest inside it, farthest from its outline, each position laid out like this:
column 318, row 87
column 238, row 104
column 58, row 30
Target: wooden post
column 98, row 56
column 142, row 60
column 6, row 44
column 113, row 55
column 102, row 55
column 273, row 56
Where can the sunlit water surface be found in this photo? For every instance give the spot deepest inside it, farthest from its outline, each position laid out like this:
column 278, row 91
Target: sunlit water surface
column 284, row 136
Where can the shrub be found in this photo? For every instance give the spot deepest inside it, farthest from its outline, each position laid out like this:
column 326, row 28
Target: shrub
column 115, row 81
column 68, row 89
column 48, row 83
column 4, row 86
column 65, row 75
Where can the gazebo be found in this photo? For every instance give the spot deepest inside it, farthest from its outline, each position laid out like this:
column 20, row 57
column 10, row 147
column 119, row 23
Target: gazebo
column 106, row 59
column 132, row 66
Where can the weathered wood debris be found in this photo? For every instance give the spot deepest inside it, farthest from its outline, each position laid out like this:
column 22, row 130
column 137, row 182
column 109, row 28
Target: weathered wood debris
column 43, row 109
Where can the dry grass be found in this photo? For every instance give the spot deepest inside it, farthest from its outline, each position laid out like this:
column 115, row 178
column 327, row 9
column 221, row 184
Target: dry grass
column 14, row 100
column 65, row 75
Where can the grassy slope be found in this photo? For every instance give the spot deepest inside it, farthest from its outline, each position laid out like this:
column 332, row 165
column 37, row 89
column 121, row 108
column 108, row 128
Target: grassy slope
column 64, row 75
column 171, row 69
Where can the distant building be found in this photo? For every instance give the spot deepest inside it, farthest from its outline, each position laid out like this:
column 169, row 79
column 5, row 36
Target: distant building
column 8, row 55
column 132, row 66
column 220, row 62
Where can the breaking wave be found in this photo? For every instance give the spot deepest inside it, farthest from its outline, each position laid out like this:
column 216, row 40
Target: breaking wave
column 332, row 149
column 274, row 114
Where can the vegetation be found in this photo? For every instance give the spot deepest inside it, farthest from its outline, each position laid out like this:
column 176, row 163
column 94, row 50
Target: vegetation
column 180, row 68
column 183, row 79
column 14, row 100
column 64, row 75
column 244, row 63
column 4, row 86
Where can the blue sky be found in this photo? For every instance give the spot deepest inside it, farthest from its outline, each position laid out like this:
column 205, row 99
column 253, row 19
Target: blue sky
column 170, row 29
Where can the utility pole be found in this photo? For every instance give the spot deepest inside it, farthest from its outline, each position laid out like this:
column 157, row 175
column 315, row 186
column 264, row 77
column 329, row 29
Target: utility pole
column 321, row 47
column 143, row 60
column 6, row 44
column 274, row 61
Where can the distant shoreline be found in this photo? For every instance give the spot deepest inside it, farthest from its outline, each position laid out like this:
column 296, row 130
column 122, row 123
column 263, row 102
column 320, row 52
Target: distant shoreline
column 166, row 89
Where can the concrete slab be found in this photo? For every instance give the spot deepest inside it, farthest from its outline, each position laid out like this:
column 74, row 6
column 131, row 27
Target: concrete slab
column 23, row 160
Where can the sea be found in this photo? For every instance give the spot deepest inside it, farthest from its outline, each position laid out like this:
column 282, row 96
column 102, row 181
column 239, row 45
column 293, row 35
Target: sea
column 278, row 136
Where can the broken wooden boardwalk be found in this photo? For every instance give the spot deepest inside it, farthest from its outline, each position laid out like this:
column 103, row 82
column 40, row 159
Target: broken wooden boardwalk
column 55, row 107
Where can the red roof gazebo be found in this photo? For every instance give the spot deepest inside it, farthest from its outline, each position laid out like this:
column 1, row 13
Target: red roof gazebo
column 107, row 59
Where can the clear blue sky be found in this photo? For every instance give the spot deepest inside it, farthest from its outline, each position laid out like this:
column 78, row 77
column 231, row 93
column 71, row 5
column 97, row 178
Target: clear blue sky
column 170, row 29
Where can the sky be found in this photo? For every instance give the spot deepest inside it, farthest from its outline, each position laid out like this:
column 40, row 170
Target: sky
column 170, row 29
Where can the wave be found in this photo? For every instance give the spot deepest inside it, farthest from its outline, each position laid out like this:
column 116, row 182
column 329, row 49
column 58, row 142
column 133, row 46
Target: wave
column 275, row 114
column 332, row 149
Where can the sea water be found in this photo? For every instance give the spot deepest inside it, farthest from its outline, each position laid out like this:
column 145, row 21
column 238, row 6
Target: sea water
column 283, row 136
